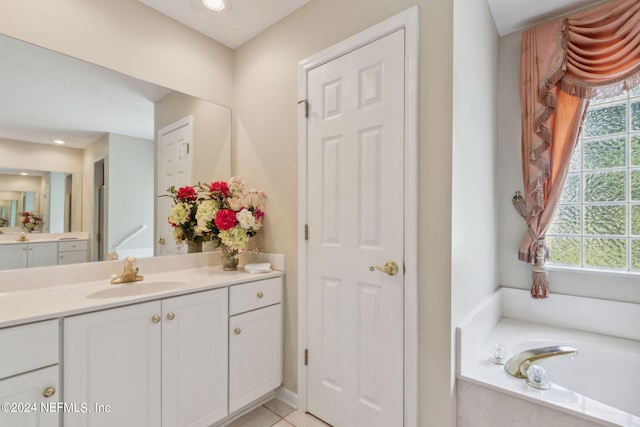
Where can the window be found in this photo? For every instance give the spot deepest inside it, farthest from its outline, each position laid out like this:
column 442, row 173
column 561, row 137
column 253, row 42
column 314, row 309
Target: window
column 597, row 222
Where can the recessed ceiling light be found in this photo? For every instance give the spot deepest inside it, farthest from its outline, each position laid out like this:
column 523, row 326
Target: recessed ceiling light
column 59, row 141
column 24, row 173
column 213, row 4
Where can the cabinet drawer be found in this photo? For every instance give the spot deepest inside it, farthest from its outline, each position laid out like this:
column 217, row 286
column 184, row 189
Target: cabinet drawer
column 250, row 296
column 72, row 245
column 28, row 347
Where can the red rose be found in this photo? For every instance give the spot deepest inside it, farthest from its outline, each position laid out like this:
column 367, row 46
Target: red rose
column 225, row 219
column 187, row 193
column 219, row 187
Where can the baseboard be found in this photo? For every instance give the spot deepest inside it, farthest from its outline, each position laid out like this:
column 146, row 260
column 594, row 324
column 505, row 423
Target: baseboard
column 287, row 396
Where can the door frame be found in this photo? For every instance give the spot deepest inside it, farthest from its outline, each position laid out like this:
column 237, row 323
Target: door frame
column 407, row 20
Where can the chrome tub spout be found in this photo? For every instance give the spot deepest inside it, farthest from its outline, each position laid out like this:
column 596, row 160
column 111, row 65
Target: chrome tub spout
column 517, row 365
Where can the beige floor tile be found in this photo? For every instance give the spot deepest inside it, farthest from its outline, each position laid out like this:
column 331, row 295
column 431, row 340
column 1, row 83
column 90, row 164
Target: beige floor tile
column 301, row 419
column 279, row 407
column 283, row 423
column 259, row 417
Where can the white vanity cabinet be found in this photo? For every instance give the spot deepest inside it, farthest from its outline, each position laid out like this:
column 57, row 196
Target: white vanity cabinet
column 23, row 255
column 30, row 375
column 157, row 363
column 255, row 340
column 72, row 252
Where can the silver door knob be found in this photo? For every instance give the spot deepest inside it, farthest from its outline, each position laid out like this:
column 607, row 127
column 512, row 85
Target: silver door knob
column 391, row 268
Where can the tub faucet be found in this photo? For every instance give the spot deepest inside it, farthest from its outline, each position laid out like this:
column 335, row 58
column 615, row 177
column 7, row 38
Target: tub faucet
column 129, row 273
column 517, row 365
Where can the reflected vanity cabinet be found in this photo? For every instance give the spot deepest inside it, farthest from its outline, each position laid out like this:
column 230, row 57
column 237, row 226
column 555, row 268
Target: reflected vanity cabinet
column 42, row 254
column 72, row 252
column 30, row 375
column 24, row 255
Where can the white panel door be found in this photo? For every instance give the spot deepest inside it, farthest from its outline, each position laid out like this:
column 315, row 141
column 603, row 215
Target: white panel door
column 174, row 168
column 355, row 216
column 194, row 359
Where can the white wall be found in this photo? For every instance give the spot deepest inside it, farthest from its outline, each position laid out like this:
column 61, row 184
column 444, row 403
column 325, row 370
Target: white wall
column 475, row 150
column 32, row 156
column 56, row 203
column 130, row 194
column 512, row 272
column 211, row 145
column 266, row 154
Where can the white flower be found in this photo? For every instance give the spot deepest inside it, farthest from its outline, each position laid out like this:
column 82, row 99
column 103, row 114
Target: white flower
column 236, row 184
column 234, row 238
column 254, row 198
column 179, row 213
column 235, row 203
column 246, row 219
column 206, row 213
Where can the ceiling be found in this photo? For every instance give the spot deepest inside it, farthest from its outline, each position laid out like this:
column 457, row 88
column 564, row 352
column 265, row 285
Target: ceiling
column 48, row 96
column 242, row 20
column 515, row 15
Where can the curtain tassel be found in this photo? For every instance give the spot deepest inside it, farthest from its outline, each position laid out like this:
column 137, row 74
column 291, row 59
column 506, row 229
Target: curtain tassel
column 540, row 286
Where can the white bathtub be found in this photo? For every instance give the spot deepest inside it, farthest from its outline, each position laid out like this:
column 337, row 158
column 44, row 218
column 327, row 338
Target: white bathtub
column 600, row 386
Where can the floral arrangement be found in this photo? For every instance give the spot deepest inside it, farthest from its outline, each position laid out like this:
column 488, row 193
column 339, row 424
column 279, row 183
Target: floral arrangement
column 182, row 216
column 223, row 212
column 30, row 220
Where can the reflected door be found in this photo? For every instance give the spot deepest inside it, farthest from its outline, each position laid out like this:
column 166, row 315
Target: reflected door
column 174, row 168
column 356, row 172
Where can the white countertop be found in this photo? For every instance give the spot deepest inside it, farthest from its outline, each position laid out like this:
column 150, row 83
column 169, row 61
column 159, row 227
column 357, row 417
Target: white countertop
column 19, row 305
column 14, row 238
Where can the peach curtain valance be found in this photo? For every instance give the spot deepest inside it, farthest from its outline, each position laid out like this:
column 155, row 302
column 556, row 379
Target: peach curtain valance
column 565, row 63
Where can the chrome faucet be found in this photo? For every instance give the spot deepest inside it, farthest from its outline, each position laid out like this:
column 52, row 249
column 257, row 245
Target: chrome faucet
column 518, row 364
column 129, row 273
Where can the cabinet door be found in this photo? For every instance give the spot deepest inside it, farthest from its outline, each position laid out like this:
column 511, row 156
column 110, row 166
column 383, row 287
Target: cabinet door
column 255, row 355
column 72, row 257
column 194, row 359
column 13, row 256
column 28, row 407
column 112, row 363
column 43, row 254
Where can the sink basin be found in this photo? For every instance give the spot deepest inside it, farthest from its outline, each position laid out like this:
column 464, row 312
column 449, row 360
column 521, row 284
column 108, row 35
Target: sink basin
column 136, row 288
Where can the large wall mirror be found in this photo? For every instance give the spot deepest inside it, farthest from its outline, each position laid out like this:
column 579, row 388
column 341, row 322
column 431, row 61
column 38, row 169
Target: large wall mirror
column 104, row 176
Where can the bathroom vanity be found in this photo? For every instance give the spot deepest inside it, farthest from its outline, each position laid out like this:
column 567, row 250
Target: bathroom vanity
column 183, row 347
column 41, row 252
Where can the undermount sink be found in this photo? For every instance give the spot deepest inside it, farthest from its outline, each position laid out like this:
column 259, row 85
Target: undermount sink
column 136, row 288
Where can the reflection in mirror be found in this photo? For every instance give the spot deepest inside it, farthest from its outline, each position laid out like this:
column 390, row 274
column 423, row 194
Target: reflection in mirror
column 107, row 166
column 47, row 194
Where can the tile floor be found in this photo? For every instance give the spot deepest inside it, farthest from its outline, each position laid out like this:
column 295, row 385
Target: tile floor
column 275, row 413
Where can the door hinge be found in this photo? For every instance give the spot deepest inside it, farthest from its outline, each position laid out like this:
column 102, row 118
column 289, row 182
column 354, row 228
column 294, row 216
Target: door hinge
column 187, row 145
column 306, row 232
column 306, row 356
column 306, row 107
